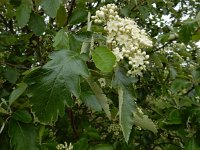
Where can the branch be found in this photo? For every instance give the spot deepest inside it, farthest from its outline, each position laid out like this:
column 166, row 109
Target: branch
column 161, row 47
column 73, row 4
column 71, row 117
column 13, row 65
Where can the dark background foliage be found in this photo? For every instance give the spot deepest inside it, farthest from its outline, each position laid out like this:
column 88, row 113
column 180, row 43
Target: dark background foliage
column 48, row 95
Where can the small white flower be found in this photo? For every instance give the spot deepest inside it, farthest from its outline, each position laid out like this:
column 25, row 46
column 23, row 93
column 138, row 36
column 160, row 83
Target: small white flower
column 102, row 82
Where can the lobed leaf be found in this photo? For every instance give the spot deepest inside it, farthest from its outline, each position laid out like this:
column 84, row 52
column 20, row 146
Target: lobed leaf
column 90, row 100
column 101, row 97
column 126, row 110
column 52, row 85
column 23, row 136
column 121, row 79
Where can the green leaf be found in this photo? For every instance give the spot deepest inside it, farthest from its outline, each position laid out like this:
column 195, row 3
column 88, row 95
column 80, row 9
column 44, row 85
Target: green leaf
column 37, row 24
column 164, row 38
column 198, row 18
column 144, row 122
column 81, row 144
column 3, row 111
column 103, row 147
column 121, row 79
column 23, row 116
column 101, row 97
column 11, row 74
column 23, row 136
column 61, row 40
column 5, row 140
column 78, row 16
column 180, row 84
column 126, row 110
column 51, row 6
column 144, row 12
column 196, row 75
column 187, row 29
column 74, row 44
column 61, row 16
column 173, row 72
column 83, row 36
column 174, row 117
column 103, row 58
column 196, row 37
column 90, row 100
column 192, row 145
column 156, row 59
column 23, row 12
column 52, row 85
column 16, row 93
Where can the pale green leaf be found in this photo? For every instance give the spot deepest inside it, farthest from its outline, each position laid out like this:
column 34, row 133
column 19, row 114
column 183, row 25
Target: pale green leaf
column 121, row 79
column 52, row 85
column 51, row 6
column 101, row 97
column 90, row 100
column 23, row 136
column 103, row 58
column 37, row 24
column 144, row 122
column 23, row 12
column 61, row 40
column 198, row 18
column 126, row 110
column 173, row 72
column 3, row 111
column 16, row 93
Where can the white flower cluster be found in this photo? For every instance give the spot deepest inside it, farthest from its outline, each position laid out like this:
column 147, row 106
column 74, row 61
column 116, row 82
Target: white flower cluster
column 64, row 146
column 126, row 38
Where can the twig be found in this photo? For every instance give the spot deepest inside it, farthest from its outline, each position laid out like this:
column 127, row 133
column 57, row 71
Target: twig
column 73, row 3
column 71, row 117
column 13, row 65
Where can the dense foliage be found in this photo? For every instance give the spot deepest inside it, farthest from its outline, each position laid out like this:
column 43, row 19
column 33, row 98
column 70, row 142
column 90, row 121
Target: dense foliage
column 99, row 75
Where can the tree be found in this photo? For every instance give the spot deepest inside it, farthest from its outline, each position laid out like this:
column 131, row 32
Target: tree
column 99, row 75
